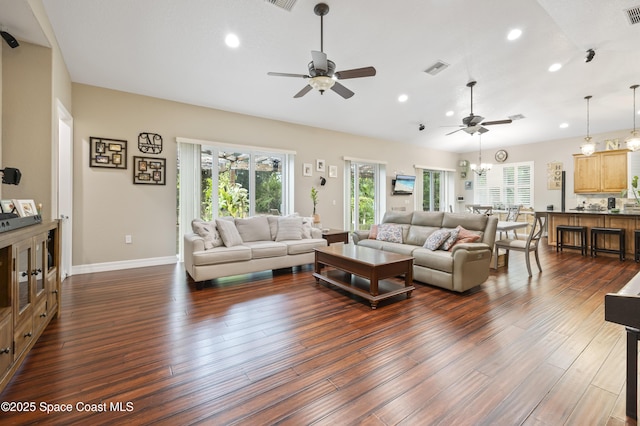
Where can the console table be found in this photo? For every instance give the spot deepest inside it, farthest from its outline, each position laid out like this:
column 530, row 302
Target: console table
column 29, row 291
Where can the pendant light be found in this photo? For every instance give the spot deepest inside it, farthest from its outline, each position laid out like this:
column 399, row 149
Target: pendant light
column 481, row 168
column 588, row 147
column 633, row 143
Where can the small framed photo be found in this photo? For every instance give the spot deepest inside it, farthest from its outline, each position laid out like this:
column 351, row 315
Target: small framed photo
column 307, row 169
column 468, row 184
column 320, row 166
column 115, row 147
column 333, row 171
column 116, row 158
column 7, row 206
column 149, row 171
column 107, row 153
column 26, row 207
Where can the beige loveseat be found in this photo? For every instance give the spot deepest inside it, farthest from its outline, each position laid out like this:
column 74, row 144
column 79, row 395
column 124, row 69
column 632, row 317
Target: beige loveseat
column 230, row 246
column 464, row 266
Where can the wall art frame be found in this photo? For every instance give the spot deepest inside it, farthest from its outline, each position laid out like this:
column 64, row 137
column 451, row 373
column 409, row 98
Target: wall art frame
column 149, row 171
column 150, row 143
column 107, row 153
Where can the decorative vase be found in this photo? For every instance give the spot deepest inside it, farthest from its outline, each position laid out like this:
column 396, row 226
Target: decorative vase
column 316, row 218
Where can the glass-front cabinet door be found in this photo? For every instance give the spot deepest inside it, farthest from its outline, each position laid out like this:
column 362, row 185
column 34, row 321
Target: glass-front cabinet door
column 22, row 280
column 40, row 265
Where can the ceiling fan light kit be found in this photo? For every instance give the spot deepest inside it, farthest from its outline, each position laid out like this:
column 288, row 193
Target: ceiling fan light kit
column 322, row 74
column 633, row 143
column 588, row 147
column 480, row 168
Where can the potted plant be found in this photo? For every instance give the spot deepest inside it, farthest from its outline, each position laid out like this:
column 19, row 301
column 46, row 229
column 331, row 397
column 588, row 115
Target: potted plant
column 634, row 191
column 314, row 198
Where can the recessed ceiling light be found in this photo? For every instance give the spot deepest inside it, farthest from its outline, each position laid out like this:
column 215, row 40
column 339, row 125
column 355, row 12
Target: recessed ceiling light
column 564, row 125
column 403, row 98
column 232, row 40
column 449, row 113
column 555, row 67
column 514, row 34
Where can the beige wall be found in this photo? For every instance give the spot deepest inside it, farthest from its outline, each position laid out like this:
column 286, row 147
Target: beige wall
column 26, row 130
column 109, row 206
column 541, row 154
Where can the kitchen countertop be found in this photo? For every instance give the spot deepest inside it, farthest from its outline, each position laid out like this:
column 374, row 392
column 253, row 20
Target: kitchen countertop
column 593, row 212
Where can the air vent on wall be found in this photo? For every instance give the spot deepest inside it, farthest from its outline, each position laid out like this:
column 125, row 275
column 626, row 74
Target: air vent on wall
column 436, row 68
column 633, row 15
column 283, row 4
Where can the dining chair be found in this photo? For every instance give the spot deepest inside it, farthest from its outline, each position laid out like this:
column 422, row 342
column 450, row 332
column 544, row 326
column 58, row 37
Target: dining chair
column 512, row 216
column 527, row 246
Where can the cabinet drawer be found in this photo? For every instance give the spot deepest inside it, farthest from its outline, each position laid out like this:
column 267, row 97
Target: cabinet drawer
column 40, row 316
column 6, row 344
column 23, row 336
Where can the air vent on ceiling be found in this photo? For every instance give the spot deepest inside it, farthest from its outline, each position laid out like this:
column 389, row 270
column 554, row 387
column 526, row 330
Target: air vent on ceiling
column 633, row 15
column 283, row 4
column 436, row 68
column 516, row 117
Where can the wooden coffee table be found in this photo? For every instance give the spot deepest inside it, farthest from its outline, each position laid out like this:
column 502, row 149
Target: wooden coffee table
column 372, row 265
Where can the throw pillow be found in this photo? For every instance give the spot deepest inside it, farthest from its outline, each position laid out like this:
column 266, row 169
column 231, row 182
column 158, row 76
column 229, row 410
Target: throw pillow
column 253, row 229
column 373, row 232
column 390, row 233
column 465, row 236
column 289, row 228
column 208, row 232
column 307, row 226
column 453, row 237
column 228, row 232
column 436, row 239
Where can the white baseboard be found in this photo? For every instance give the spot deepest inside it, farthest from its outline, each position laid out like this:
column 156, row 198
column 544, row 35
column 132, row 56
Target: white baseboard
column 124, row 264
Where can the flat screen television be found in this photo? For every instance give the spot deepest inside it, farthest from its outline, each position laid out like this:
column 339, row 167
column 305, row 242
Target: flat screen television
column 403, row 185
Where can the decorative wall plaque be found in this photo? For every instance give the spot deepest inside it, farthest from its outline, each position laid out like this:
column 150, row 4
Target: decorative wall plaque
column 150, row 143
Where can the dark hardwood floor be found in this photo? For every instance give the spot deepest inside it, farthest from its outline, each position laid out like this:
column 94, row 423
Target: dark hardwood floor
column 281, row 349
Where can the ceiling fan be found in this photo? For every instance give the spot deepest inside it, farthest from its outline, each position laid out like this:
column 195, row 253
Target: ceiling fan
column 322, row 73
column 473, row 123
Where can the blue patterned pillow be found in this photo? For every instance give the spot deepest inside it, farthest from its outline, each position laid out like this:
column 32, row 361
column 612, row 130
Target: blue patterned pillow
column 390, row 233
column 436, row 239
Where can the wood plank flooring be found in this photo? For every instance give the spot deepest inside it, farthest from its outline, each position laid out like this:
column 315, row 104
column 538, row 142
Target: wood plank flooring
column 280, row 349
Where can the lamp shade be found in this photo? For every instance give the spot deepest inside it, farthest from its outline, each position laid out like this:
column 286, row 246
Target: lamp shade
column 321, row 83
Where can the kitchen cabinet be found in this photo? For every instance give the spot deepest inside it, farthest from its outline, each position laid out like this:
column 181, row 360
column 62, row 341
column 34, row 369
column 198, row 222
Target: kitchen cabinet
column 601, row 172
column 29, row 291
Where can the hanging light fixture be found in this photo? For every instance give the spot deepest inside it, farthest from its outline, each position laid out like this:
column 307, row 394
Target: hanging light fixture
column 633, row 143
column 588, row 147
column 480, row 168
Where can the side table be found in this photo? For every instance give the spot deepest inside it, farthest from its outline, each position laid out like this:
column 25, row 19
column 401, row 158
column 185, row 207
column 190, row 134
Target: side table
column 335, row 236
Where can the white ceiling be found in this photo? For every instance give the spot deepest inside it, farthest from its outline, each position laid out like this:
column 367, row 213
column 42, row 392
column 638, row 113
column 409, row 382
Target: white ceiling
column 174, row 49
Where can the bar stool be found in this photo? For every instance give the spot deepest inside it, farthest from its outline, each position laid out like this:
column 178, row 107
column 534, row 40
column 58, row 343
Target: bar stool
column 580, row 230
column 607, row 231
column 636, row 245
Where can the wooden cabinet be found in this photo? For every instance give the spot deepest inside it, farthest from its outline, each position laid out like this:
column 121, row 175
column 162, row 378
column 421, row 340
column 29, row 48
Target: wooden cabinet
column 29, row 291
column 602, row 172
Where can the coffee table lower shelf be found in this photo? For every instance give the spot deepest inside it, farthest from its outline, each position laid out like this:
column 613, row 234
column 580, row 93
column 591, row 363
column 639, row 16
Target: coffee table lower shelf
column 361, row 286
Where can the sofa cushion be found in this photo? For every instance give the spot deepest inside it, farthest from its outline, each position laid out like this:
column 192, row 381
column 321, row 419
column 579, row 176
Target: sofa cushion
column 305, row 245
column 289, row 228
column 422, row 218
column 436, row 239
column 307, row 226
column 273, row 226
column 373, row 232
column 473, row 222
column 219, row 255
column 228, row 232
column 209, row 233
column 397, row 217
column 439, row 259
column 262, row 249
column 417, row 235
column 253, row 229
column 390, row 232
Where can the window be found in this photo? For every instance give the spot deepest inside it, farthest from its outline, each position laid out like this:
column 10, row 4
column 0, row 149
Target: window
column 365, row 189
column 431, row 193
column 506, row 184
column 434, row 189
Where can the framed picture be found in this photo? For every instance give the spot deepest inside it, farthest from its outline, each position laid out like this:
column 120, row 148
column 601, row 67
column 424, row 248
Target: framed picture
column 7, row 206
column 25, row 207
column 320, row 166
column 307, row 169
column 468, row 184
column 149, row 171
column 107, row 153
column 333, row 171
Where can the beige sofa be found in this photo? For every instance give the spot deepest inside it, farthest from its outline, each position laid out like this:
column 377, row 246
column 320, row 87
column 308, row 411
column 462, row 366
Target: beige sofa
column 465, row 266
column 228, row 246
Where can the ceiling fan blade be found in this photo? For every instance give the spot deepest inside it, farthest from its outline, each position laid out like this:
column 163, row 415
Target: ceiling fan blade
column 356, row 73
column 341, row 90
column 285, row 74
column 303, row 92
column 450, row 133
column 319, row 60
column 491, row 123
column 482, row 130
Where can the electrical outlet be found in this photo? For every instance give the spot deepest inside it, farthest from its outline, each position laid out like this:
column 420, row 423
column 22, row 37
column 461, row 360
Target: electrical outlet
column 127, row 239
